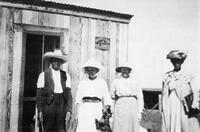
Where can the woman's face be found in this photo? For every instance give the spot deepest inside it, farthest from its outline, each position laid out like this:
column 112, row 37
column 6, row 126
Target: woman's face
column 177, row 64
column 91, row 71
column 55, row 63
column 125, row 72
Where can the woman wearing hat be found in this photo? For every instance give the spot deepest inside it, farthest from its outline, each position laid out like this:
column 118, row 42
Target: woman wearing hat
column 128, row 101
column 91, row 97
column 54, row 99
column 176, row 86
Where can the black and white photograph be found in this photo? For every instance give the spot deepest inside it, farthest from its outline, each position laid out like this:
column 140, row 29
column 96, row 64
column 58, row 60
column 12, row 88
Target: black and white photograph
column 100, row 66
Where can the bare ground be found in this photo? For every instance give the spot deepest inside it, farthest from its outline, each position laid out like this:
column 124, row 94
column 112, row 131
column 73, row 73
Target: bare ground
column 151, row 120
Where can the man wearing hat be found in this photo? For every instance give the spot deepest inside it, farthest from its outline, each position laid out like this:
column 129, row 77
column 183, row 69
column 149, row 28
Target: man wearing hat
column 176, row 85
column 54, row 99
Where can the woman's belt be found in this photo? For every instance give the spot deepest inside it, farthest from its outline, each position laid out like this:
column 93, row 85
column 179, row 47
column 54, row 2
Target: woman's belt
column 126, row 96
column 91, row 99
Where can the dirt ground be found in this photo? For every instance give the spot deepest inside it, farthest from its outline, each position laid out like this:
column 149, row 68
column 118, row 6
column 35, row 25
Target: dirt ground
column 151, row 120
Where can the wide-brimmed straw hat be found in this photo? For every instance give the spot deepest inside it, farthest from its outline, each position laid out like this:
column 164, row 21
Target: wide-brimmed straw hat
column 92, row 63
column 123, row 65
column 57, row 54
column 176, row 54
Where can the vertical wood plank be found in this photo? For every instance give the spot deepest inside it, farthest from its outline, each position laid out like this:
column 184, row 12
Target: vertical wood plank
column 113, row 53
column 6, row 33
column 123, row 45
column 117, row 43
column 92, row 34
column 107, row 53
column 85, row 45
column 74, row 53
column 4, row 17
column 17, row 60
column 74, row 49
column 10, row 41
column 127, row 42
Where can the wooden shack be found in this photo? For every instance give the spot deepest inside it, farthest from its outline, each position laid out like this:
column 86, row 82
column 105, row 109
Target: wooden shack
column 29, row 28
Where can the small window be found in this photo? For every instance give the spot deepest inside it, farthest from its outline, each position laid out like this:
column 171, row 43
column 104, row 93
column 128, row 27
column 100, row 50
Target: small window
column 151, row 99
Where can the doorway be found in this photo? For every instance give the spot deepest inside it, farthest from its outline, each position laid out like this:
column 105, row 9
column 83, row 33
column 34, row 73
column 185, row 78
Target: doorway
column 35, row 46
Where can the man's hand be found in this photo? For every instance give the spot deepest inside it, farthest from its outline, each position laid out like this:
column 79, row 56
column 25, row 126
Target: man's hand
column 195, row 105
column 76, row 119
column 67, row 120
column 139, row 116
column 40, row 116
column 68, row 116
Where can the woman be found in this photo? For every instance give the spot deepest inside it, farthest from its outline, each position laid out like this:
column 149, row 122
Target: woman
column 92, row 96
column 177, row 85
column 128, row 101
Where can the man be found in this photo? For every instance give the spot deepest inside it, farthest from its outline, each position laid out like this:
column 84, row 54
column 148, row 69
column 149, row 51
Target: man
column 54, row 99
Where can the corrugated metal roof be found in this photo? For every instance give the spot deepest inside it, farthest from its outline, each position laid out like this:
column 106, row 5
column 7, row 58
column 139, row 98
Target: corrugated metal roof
column 65, row 6
column 87, row 4
column 58, row 1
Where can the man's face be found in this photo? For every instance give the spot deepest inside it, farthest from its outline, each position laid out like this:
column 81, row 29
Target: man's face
column 55, row 63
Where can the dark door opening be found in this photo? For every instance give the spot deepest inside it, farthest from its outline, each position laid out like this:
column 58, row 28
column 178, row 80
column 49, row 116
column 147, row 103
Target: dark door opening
column 36, row 46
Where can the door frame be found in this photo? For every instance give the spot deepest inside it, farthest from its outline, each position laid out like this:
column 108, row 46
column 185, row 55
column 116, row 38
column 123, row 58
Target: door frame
column 19, row 52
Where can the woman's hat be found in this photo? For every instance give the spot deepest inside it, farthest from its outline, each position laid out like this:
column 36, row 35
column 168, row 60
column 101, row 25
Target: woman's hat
column 92, row 63
column 176, row 54
column 123, row 65
column 57, row 54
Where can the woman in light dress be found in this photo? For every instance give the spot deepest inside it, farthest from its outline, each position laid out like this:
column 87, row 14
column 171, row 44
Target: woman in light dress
column 91, row 97
column 127, row 101
column 176, row 85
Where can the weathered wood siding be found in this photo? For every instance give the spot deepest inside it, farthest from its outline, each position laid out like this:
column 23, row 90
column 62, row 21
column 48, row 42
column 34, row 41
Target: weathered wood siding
column 78, row 42
column 82, row 46
column 6, row 66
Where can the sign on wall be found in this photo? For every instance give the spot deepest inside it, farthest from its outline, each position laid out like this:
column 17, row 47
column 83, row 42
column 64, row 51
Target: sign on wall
column 102, row 43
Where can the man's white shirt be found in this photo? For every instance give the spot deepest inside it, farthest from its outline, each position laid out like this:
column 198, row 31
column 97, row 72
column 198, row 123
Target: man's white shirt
column 56, row 79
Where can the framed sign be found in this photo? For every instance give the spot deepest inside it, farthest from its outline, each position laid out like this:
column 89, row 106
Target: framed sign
column 102, row 43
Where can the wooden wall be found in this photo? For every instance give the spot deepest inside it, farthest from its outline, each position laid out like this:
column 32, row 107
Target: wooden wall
column 82, row 47
column 78, row 40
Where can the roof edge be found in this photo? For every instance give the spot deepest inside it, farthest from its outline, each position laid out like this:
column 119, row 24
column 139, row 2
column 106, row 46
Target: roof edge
column 70, row 7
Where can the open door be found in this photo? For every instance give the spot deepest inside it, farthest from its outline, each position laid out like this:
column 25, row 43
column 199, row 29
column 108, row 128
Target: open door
column 36, row 46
